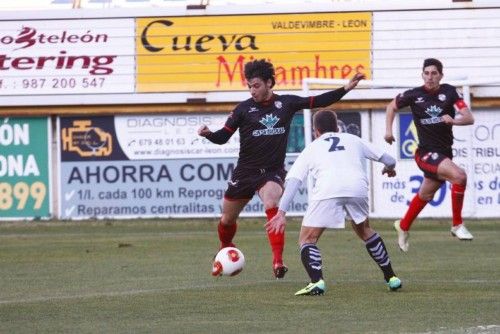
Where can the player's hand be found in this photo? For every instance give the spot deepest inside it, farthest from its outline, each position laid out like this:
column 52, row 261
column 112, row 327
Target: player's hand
column 447, row 119
column 277, row 223
column 389, row 138
column 354, row 81
column 389, row 172
column 203, row 131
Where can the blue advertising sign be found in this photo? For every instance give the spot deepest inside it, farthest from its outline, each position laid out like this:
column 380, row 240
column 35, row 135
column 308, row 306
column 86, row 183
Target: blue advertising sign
column 408, row 139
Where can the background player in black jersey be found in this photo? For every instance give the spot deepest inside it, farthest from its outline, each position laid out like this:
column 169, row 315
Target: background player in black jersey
column 434, row 107
column 263, row 122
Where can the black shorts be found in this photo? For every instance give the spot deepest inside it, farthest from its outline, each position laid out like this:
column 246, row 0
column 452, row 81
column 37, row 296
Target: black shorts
column 245, row 182
column 428, row 162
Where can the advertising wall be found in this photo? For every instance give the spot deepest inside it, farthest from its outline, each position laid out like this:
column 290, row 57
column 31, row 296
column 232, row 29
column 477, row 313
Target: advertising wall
column 163, row 58
column 155, row 166
column 25, row 159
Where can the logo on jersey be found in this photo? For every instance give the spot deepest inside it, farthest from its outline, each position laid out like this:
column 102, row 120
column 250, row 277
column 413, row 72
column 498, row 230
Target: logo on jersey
column 419, row 100
column 233, row 183
column 253, row 109
column 432, row 111
column 408, row 140
column 441, row 97
column 269, row 122
column 278, row 104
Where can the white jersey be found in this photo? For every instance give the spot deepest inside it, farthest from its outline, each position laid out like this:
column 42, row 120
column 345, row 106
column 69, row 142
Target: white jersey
column 337, row 164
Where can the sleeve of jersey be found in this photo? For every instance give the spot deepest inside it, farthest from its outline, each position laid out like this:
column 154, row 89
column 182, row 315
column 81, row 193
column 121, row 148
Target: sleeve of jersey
column 403, row 99
column 328, row 98
column 292, row 185
column 371, row 151
column 387, row 160
column 299, row 168
column 322, row 100
column 220, row 136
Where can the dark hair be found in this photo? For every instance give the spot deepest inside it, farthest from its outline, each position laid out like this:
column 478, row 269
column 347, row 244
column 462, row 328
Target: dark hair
column 325, row 121
column 435, row 62
column 260, row 69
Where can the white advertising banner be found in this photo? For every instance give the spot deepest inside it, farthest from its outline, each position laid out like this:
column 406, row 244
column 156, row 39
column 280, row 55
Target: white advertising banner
column 172, row 136
column 67, row 57
column 476, row 149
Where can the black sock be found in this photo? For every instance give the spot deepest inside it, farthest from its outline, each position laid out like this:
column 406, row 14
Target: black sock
column 378, row 252
column 311, row 259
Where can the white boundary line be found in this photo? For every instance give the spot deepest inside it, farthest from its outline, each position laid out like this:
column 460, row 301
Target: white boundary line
column 213, row 286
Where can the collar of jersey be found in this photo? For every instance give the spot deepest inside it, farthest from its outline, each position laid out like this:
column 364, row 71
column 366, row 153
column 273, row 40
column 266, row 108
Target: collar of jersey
column 267, row 102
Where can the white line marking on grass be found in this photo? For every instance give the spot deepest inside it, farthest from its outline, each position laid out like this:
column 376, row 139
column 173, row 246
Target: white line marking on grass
column 120, row 293
column 212, row 286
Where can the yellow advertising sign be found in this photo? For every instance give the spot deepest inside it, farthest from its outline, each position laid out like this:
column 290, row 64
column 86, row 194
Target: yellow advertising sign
column 208, row 53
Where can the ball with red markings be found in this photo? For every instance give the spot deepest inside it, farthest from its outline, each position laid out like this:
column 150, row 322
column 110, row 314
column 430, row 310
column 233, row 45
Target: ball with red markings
column 229, row 261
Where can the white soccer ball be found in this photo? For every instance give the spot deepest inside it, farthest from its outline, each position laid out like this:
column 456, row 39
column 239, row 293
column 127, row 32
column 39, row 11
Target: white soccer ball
column 229, row 261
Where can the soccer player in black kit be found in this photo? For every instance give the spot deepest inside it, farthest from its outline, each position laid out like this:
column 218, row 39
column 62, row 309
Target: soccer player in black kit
column 263, row 122
column 434, row 107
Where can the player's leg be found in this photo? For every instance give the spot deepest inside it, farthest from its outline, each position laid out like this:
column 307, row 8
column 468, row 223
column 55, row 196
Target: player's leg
column 312, row 261
column 428, row 162
column 227, row 225
column 376, row 248
column 449, row 171
column 239, row 192
column 270, row 194
column 357, row 209
column 425, row 194
column 328, row 213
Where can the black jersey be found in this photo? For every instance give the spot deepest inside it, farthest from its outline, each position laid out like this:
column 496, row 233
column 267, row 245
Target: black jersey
column 264, row 128
column 427, row 109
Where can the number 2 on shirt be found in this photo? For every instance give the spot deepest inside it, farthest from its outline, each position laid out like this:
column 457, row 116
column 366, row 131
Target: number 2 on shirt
column 335, row 144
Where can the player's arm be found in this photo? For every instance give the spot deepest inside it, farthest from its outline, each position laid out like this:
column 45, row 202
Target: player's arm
column 278, row 222
column 390, row 114
column 328, row 98
column 372, row 152
column 220, row 136
column 466, row 117
column 389, row 165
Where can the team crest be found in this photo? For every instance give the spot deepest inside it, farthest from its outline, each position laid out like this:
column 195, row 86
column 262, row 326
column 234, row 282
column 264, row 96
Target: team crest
column 278, row 104
column 441, row 97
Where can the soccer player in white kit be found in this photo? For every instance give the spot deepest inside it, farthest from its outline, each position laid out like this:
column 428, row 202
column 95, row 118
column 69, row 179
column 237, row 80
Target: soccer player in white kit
column 337, row 164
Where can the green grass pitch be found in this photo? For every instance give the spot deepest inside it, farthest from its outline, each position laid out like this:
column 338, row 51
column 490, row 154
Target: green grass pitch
column 153, row 276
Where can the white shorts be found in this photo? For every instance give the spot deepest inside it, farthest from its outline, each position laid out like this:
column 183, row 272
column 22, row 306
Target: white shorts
column 332, row 212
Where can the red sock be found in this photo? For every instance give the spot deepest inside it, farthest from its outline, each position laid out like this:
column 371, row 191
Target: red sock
column 457, row 202
column 226, row 234
column 416, row 205
column 276, row 240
